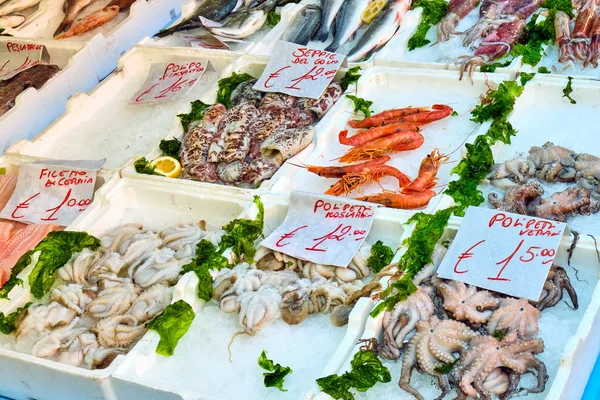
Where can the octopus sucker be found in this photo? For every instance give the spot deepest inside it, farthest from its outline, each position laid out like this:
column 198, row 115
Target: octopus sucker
column 467, row 303
column 515, row 316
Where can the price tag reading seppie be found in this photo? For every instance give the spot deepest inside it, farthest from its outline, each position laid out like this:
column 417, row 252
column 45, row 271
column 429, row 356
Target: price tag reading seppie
column 169, row 81
column 52, row 192
column 324, row 230
column 504, row 252
column 299, row 71
column 17, row 57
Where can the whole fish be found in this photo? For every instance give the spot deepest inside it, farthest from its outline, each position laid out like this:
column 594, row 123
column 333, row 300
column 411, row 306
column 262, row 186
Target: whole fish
column 71, row 9
column 244, row 23
column 215, row 10
column 91, row 21
column 347, row 22
column 381, row 30
column 305, row 23
column 330, row 9
column 11, row 21
column 17, row 5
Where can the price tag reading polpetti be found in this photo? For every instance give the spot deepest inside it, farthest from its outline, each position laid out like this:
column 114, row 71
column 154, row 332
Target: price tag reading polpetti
column 299, row 71
column 169, row 81
column 504, row 252
column 17, row 57
column 322, row 229
column 52, row 192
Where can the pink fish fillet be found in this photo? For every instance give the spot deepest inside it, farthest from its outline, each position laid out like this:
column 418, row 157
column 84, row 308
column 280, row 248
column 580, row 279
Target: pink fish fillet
column 8, row 229
column 7, row 187
column 19, row 244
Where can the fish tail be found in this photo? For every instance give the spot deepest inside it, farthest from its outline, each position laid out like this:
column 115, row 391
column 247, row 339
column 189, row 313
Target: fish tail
column 321, row 34
column 63, row 27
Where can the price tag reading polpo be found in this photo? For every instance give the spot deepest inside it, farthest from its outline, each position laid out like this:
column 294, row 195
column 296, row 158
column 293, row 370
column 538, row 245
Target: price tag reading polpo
column 322, row 229
column 52, row 192
column 504, row 252
column 169, row 81
column 299, row 71
column 17, row 57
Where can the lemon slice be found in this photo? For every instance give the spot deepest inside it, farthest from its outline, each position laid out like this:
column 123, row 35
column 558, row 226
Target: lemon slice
column 167, row 166
column 372, row 11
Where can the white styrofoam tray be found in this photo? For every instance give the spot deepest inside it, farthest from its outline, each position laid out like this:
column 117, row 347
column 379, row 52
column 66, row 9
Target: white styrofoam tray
column 397, row 88
column 35, row 109
column 156, row 205
column 254, row 66
column 102, row 124
column 443, row 55
column 108, row 42
column 570, row 351
column 200, row 367
column 542, row 114
column 576, row 70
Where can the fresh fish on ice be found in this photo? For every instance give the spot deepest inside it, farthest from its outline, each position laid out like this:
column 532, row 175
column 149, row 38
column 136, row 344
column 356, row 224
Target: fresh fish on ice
column 71, row 9
column 17, row 5
column 244, row 23
column 303, row 26
column 19, row 244
column 380, row 31
column 94, row 20
column 11, row 21
column 347, row 22
column 215, row 10
column 329, row 10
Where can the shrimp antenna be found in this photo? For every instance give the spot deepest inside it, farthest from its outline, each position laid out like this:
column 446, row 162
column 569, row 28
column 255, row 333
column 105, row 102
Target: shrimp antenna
column 297, row 165
column 463, row 142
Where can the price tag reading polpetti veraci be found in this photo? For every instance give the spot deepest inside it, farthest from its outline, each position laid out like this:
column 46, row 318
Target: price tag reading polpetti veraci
column 323, row 229
column 299, row 71
column 505, row 252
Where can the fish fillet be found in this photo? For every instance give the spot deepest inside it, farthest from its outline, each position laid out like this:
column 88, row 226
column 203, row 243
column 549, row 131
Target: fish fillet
column 19, row 244
column 8, row 229
column 7, row 187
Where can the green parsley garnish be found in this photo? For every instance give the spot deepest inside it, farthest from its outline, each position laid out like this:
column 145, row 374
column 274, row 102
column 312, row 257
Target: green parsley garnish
column 350, row 78
column 171, row 325
column 171, row 148
column 142, row 166
column 361, row 105
column 273, row 18
column 228, row 85
column 568, row 90
column 197, row 111
column 8, row 323
column 433, row 12
column 543, row 70
column 276, row 374
column 381, row 256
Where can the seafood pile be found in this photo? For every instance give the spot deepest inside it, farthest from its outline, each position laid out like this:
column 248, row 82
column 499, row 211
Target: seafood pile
column 280, row 286
column 35, row 76
column 16, row 238
column 336, row 22
column 386, row 133
column 105, row 298
column 582, row 43
column 549, row 163
column 70, row 27
column 228, row 18
column 247, row 144
column 475, row 341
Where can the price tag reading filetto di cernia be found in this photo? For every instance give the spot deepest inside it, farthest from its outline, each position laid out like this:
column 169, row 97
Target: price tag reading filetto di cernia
column 169, row 81
column 322, row 229
column 17, row 57
column 52, row 192
column 504, row 252
column 299, row 71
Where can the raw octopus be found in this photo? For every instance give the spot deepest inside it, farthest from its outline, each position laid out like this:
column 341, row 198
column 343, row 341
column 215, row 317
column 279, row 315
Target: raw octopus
column 247, row 144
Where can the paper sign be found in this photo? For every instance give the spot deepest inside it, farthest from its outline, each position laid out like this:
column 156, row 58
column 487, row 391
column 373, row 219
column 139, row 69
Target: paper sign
column 169, row 81
column 52, row 192
column 504, row 252
column 323, row 229
column 206, row 41
column 17, row 57
column 299, row 71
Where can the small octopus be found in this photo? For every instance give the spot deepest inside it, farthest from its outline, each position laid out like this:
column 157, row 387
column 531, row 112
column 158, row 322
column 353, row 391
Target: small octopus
column 466, row 303
column 552, row 292
column 518, row 198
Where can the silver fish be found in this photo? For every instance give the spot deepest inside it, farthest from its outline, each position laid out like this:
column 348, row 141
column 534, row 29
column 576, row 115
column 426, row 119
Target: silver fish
column 11, row 21
column 380, row 31
column 347, row 22
column 17, row 5
column 215, row 10
column 304, row 24
column 244, row 23
column 71, row 9
column 330, row 9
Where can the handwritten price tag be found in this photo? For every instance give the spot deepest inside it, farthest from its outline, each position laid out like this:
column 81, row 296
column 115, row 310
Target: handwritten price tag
column 322, row 229
column 299, row 71
column 52, row 192
column 169, row 81
column 504, row 252
column 17, row 57
column 206, row 41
